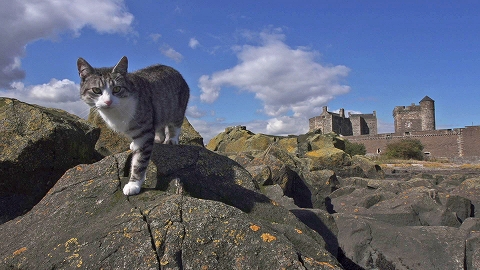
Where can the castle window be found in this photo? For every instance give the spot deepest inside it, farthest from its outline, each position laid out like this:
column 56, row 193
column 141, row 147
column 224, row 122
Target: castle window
column 407, row 133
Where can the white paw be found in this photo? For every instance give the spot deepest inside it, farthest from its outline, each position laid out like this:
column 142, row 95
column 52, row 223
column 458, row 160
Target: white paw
column 132, row 188
column 173, row 141
column 159, row 139
column 132, row 145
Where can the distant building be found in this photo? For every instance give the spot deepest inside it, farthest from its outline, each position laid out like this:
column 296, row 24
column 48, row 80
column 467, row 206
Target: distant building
column 355, row 124
column 415, row 117
column 412, row 122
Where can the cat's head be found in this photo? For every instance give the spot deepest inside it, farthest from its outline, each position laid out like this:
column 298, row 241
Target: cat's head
column 104, row 88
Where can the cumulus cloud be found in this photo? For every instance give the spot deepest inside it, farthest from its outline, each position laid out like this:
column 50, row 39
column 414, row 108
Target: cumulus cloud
column 60, row 94
column 193, row 43
column 55, row 91
column 22, row 22
column 290, row 82
column 171, row 53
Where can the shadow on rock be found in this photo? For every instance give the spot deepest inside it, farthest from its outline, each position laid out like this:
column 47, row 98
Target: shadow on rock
column 208, row 214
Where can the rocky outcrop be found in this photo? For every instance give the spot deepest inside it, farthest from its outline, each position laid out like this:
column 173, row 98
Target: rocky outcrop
column 368, row 222
column 305, row 167
column 111, row 142
column 198, row 210
column 37, row 146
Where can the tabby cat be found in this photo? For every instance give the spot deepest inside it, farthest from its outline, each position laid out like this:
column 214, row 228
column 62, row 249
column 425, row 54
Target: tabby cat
column 147, row 105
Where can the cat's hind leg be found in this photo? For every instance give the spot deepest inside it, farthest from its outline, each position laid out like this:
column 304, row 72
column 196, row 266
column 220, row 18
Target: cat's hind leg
column 173, row 134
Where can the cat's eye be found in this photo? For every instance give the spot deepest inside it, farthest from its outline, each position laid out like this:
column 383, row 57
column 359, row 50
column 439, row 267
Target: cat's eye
column 97, row 90
column 116, row 89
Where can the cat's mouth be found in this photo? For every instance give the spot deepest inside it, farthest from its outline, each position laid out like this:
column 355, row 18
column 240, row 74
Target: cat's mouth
column 106, row 107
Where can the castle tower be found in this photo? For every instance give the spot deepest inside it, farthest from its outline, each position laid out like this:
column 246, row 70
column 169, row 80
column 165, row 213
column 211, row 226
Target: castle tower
column 415, row 117
column 428, row 113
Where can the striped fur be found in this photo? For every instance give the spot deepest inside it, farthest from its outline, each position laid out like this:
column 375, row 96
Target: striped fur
column 147, row 105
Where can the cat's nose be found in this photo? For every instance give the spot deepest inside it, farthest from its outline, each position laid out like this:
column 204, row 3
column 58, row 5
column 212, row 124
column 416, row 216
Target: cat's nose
column 108, row 102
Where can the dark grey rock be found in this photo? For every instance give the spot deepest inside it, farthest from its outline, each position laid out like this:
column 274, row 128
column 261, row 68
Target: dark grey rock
column 37, row 146
column 372, row 244
column 210, row 215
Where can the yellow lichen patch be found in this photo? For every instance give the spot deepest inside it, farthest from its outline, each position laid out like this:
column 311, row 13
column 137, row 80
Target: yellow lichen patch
column 126, row 233
column 72, row 246
column 72, row 242
column 311, row 261
column 79, row 168
column 266, row 237
column 19, row 251
column 163, row 262
column 254, row 227
column 88, row 183
column 298, row 231
column 274, row 203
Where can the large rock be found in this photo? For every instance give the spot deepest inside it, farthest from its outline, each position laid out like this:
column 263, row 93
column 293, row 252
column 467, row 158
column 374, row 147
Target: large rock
column 37, row 146
column 198, row 210
column 470, row 189
column 367, row 243
column 111, row 142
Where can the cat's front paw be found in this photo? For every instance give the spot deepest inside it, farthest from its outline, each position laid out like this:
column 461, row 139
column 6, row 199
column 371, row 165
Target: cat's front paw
column 172, row 141
column 132, row 188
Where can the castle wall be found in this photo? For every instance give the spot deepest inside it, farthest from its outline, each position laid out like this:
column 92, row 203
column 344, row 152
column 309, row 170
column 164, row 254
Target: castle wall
column 355, row 124
column 445, row 143
column 341, row 125
column 471, row 141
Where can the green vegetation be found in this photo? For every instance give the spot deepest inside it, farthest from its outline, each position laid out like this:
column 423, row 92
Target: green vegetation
column 354, row 148
column 404, row 149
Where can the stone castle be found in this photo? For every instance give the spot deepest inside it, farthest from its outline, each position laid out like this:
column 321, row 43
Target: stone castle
column 414, row 122
column 355, row 124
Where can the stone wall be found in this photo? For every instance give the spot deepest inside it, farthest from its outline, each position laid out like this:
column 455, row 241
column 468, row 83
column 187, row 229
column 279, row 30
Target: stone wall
column 355, row 124
column 407, row 118
column 444, row 143
column 415, row 117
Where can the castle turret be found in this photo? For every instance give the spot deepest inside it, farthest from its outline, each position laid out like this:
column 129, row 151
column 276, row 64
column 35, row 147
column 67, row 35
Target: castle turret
column 428, row 113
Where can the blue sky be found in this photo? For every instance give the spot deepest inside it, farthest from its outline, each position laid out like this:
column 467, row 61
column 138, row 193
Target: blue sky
column 269, row 65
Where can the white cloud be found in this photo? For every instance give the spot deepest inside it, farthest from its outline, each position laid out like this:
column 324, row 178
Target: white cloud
column 193, row 43
column 60, row 94
column 155, row 37
column 289, row 81
column 56, row 91
column 171, row 53
column 195, row 112
column 207, row 130
column 22, row 22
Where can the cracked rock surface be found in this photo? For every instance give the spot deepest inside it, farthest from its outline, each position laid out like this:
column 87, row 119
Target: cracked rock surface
column 198, row 210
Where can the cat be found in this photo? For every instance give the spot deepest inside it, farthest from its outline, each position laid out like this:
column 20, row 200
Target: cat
column 147, row 106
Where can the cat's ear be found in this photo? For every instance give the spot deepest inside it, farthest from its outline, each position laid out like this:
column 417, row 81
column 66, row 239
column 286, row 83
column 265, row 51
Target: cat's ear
column 121, row 66
column 84, row 68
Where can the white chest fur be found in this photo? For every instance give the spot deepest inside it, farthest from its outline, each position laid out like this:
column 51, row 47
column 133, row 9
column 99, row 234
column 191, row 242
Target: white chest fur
column 119, row 117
